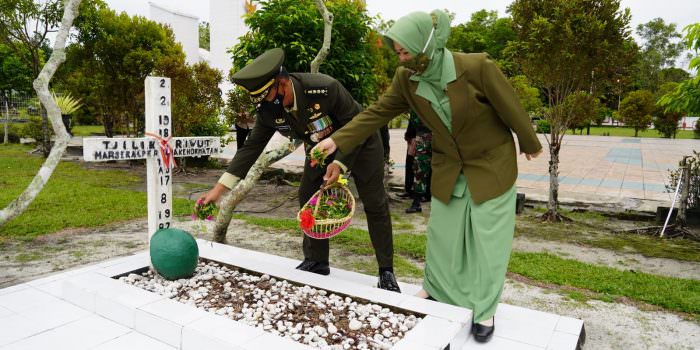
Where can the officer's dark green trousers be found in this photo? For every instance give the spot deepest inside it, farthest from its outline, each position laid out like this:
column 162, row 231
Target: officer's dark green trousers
column 368, row 173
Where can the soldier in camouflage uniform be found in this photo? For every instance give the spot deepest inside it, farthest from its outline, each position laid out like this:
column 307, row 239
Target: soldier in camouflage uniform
column 421, row 164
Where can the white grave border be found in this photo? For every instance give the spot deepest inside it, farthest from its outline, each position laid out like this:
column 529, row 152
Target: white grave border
column 186, row 327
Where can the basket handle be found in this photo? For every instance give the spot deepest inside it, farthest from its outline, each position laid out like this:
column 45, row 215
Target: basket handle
column 318, row 201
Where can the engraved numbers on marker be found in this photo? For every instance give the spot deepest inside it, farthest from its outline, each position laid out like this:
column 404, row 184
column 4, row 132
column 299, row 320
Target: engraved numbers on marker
column 164, row 206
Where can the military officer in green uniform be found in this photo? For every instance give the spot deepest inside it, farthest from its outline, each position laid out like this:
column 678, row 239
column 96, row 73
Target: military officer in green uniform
column 310, row 107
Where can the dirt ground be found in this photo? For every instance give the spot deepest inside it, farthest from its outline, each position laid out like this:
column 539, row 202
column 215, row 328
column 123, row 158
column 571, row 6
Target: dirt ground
column 608, row 325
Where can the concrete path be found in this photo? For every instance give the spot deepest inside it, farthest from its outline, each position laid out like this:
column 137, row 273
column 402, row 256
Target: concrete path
column 632, row 172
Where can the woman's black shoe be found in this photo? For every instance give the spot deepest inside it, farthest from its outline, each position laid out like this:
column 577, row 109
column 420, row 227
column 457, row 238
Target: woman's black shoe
column 483, row 334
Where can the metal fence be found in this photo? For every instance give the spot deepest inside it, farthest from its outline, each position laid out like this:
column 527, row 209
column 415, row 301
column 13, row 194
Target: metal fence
column 18, row 108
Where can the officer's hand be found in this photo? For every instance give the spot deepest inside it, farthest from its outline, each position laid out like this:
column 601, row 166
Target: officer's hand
column 333, row 172
column 213, row 195
column 327, row 146
column 531, row 156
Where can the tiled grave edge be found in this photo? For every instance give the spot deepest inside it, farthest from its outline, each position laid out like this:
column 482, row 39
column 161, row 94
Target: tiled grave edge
column 186, row 327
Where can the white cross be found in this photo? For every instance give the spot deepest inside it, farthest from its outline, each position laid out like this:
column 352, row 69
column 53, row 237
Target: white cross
column 156, row 148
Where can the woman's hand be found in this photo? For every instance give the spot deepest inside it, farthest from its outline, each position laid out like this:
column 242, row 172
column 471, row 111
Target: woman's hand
column 531, row 156
column 326, row 146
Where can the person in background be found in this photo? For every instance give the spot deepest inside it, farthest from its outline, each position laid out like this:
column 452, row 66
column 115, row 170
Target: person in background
column 244, row 124
column 410, row 137
column 472, row 111
column 422, row 153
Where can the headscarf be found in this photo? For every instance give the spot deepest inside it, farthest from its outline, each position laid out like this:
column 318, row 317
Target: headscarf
column 424, row 36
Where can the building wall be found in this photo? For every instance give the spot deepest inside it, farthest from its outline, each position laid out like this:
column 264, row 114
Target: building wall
column 184, row 26
column 226, row 26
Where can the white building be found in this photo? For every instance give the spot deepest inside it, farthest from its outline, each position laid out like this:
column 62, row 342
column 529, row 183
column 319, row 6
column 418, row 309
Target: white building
column 225, row 27
column 184, row 26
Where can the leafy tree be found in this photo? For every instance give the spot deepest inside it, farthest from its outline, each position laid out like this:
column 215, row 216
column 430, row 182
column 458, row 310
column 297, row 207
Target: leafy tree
column 566, row 46
column 25, row 25
column 660, row 49
column 585, row 109
column 636, row 110
column 295, row 26
column 529, row 95
column 686, row 97
column 14, row 74
column 673, row 75
column 484, row 32
column 195, row 96
column 666, row 122
column 204, row 35
column 386, row 60
column 196, row 99
column 116, row 53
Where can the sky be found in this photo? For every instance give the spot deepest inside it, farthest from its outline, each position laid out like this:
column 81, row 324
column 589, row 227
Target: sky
column 681, row 12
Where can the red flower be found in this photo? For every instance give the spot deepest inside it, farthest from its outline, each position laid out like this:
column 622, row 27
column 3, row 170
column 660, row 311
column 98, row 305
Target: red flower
column 307, row 219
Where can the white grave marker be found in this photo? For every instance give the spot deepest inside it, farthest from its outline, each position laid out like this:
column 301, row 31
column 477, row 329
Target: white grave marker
column 158, row 147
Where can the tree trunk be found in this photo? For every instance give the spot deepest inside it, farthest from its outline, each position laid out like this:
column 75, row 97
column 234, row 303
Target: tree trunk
column 41, row 85
column 552, row 213
column 553, row 203
column 46, row 144
column 240, row 189
column 327, row 26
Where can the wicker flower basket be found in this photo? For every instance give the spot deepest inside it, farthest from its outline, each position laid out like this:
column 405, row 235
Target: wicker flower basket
column 324, row 228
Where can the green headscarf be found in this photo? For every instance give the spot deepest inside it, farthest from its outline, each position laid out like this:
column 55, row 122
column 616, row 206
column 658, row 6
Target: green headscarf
column 424, row 36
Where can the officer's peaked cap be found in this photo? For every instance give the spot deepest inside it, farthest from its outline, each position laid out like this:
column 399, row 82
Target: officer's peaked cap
column 258, row 75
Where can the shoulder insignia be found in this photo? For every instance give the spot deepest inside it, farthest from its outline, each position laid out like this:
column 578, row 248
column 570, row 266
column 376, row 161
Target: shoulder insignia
column 316, row 91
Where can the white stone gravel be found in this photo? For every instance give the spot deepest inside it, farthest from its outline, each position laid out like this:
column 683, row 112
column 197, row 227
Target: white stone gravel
column 311, row 316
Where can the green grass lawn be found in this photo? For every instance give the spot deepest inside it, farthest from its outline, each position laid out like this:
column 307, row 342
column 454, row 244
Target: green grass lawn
column 629, row 132
column 88, row 130
column 73, row 197
column 600, row 282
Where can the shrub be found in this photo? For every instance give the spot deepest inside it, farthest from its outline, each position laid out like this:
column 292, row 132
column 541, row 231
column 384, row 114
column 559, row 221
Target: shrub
column 33, row 129
column 542, row 126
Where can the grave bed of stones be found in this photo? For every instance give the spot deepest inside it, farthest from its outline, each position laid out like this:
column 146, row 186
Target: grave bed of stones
column 311, row 316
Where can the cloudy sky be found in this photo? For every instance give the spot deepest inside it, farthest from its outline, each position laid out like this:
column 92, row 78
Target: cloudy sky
column 681, row 12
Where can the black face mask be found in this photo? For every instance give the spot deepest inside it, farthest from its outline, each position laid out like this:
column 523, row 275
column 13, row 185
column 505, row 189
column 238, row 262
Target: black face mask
column 274, row 107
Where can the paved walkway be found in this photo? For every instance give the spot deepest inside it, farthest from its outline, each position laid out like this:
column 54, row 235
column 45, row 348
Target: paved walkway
column 604, row 169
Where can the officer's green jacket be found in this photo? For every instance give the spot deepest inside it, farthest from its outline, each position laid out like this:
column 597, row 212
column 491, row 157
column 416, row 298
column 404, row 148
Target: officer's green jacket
column 484, row 111
column 323, row 106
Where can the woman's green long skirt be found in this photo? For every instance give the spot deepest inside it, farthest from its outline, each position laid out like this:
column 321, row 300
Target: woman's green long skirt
column 468, row 250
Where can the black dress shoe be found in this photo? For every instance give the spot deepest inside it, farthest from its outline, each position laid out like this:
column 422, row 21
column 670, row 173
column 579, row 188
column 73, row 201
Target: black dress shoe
column 414, row 209
column 388, row 282
column 318, row 267
column 483, row 334
column 405, row 195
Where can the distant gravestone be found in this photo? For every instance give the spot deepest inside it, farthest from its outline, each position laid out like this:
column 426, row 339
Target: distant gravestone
column 159, row 149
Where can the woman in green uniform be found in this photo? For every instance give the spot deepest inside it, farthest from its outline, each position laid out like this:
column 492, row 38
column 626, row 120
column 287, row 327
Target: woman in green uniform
column 472, row 111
